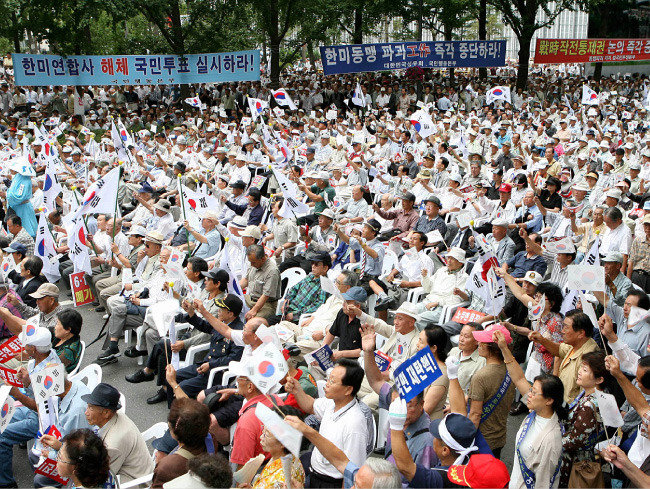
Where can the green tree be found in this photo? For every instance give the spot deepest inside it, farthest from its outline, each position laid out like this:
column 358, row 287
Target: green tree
column 523, row 18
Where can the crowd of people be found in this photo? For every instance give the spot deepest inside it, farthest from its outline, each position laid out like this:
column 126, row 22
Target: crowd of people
column 336, row 224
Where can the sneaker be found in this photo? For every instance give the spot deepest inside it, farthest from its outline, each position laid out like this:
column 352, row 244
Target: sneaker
column 160, row 396
column 139, row 376
column 107, row 361
column 383, row 303
column 109, row 353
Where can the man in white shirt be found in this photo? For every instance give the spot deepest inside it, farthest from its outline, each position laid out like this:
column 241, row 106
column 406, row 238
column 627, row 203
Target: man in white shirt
column 616, row 236
column 342, row 420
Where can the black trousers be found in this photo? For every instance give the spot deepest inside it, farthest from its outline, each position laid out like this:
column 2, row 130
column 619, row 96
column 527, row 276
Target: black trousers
column 642, row 279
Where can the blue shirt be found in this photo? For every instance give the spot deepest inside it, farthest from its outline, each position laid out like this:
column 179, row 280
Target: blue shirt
column 637, row 337
column 72, row 409
column 211, row 248
column 535, row 224
column 373, row 265
column 520, row 264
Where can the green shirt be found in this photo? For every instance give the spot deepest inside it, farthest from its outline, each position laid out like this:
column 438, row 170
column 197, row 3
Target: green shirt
column 328, row 194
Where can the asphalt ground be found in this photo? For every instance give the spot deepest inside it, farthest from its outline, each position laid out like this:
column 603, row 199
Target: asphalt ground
column 143, row 414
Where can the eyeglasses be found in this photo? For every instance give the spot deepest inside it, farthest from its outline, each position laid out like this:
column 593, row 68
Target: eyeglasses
column 59, row 459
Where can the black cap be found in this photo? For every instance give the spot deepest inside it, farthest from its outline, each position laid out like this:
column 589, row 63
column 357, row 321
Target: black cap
column 180, row 165
column 434, row 199
column 255, row 192
column 374, row 225
column 310, row 150
column 217, row 275
column 238, row 184
column 321, row 256
column 408, row 196
column 230, row 303
column 103, row 395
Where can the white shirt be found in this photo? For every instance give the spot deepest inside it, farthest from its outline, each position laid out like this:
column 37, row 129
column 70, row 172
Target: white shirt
column 618, row 239
column 526, row 449
column 346, row 428
column 412, row 263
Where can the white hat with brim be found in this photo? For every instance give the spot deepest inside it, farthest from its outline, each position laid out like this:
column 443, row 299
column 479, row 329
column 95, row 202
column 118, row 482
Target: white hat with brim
column 408, row 309
column 457, row 253
column 36, row 336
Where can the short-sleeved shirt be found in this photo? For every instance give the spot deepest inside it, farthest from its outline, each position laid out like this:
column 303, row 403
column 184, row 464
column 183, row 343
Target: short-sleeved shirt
column 347, row 332
column 285, row 231
column 570, row 361
column 264, row 281
column 373, row 265
column 211, row 248
column 328, row 194
column 485, row 383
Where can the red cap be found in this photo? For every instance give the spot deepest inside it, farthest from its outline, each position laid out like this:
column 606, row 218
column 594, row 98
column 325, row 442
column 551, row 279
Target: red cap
column 505, row 187
column 485, row 336
column 482, row 471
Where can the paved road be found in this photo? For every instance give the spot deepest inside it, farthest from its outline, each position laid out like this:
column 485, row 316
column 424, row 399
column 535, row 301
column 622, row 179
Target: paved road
column 137, row 409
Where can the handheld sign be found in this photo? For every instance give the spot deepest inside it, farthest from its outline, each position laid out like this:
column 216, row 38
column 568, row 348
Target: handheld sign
column 81, row 293
column 48, row 469
column 290, row 437
column 416, row 374
column 10, row 348
column 464, row 316
column 383, row 361
column 10, row 376
column 323, row 357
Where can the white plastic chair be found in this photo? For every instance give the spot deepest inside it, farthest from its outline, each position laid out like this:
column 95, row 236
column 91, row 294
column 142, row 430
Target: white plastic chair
column 90, row 375
column 213, row 373
column 191, row 354
column 448, row 311
column 415, row 294
column 293, row 276
column 154, row 432
column 81, row 359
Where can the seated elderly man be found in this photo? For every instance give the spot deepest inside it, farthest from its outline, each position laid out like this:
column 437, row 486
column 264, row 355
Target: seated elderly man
column 309, row 334
column 121, row 307
column 262, row 282
column 558, row 256
column 528, row 259
column 618, row 285
column 47, row 308
column 402, row 343
column 204, row 243
column 408, row 273
column 440, row 288
column 24, row 424
column 504, row 247
column 307, row 295
column 321, row 238
column 127, row 450
column 356, row 210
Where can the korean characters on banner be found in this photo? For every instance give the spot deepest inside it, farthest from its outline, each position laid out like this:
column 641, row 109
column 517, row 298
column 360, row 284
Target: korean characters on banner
column 549, row 51
column 400, row 55
column 46, row 69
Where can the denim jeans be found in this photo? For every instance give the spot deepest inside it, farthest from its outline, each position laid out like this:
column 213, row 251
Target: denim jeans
column 22, row 428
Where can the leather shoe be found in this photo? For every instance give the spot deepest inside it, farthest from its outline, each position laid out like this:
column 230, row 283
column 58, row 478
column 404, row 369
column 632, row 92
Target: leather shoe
column 383, row 303
column 135, row 353
column 100, row 309
column 160, row 396
column 518, row 408
column 139, row 376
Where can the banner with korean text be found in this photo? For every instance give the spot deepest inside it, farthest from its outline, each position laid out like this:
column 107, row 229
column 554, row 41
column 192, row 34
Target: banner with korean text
column 163, row 69
column 400, row 55
column 549, row 51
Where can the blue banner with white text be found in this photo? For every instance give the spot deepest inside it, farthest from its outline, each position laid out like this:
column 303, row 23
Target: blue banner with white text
column 155, row 69
column 358, row 58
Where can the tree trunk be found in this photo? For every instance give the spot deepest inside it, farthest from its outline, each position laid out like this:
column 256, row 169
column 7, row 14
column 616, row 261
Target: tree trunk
column 310, row 53
column 448, row 34
column 16, row 31
column 179, row 41
column 88, row 39
column 420, row 16
column 357, row 37
column 524, row 59
column 482, row 32
column 274, row 43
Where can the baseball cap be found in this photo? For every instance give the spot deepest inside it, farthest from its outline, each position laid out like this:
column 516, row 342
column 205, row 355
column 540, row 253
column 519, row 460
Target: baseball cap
column 45, row 290
column 321, row 256
column 613, row 257
column 145, row 188
column 505, row 187
column 433, row 199
column 356, row 294
column 482, row 470
column 533, row 277
column 614, row 194
column 217, row 275
column 251, row 232
column 485, row 336
column 16, row 247
column 230, row 303
column 35, row 336
column 457, row 432
column 137, row 231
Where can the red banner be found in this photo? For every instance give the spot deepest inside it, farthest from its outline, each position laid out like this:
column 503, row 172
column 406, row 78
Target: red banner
column 10, row 377
column 81, row 293
column 10, row 349
column 48, row 469
column 549, row 51
column 464, row 316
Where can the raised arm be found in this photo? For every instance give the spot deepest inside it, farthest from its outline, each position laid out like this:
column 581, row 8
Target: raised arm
column 373, row 374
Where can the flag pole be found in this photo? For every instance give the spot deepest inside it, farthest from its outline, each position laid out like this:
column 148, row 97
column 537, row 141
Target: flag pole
column 119, row 178
column 92, row 243
column 187, row 233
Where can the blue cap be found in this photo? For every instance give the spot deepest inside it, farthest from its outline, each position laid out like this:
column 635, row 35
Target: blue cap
column 146, row 188
column 16, row 247
column 357, row 294
column 459, row 427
